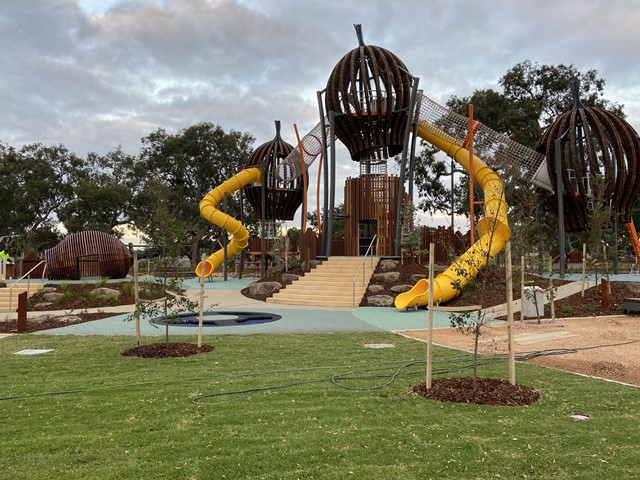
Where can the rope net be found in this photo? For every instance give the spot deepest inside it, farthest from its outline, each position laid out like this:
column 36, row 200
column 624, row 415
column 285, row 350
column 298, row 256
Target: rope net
column 495, row 149
column 291, row 167
column 511, row 159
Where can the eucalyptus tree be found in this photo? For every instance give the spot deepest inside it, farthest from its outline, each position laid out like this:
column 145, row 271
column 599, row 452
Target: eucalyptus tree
column 38, row 181
column 104, row 194
column 186, row 166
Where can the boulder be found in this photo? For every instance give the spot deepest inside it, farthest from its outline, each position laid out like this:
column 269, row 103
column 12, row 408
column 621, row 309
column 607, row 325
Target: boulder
column 69, row 319
column 386, row 277
column 380, row 300
column 104, row 293
column 290, row 277
column 264, row 288
column 375, row 288
column 416, row 277
column 52, row 296
column 401, row 288
column 43, row 305
column 386, row 265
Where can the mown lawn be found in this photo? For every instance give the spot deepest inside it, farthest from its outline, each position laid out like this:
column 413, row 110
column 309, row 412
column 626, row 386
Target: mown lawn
column 135, row 418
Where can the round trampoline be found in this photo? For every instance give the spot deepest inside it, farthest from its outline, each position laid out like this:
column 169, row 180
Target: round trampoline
column 218, row 319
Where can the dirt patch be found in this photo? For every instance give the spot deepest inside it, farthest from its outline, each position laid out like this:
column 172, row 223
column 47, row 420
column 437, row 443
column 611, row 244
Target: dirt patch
column 167, row 350
column 605, row 347
column 488, row 391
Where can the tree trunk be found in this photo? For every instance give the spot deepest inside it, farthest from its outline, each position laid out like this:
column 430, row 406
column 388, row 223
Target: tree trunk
column 196, row 245
column 476, row 337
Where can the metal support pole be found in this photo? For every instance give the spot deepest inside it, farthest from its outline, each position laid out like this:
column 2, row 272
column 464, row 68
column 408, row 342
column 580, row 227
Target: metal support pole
column 412, row 159
column 332, row 186
column 560, row 192
column 325, row 177
column 403, row 165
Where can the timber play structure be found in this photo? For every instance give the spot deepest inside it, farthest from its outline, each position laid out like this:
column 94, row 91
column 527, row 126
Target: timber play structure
column 373, row 105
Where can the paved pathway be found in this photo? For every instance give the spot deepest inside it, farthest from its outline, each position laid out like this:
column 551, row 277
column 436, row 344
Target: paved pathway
column 225, row 297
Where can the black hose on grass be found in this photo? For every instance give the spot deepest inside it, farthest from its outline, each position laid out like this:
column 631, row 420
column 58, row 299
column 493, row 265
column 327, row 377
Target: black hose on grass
column 465, row 361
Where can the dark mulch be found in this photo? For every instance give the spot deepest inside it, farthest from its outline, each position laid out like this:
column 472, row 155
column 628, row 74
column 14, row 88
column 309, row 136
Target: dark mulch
column 489, row 391
column 10, row 326
column 167, row 350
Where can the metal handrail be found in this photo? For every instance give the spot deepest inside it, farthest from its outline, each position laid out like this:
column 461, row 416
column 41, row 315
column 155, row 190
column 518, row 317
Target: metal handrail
column 28, row 282
column 362, row 266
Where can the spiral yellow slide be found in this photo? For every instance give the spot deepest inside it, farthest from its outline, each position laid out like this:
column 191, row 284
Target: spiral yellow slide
column 209, row 211
column 493, row 228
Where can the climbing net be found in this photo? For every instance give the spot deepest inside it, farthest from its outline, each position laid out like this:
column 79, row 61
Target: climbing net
column 496, row 149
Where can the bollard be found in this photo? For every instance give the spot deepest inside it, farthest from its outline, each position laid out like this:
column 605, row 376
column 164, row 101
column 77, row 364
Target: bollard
column 22, row 313
column 604, row 294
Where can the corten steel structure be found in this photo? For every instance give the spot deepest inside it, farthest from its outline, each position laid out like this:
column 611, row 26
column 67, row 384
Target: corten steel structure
column 95, row 254
column 592, row 142
column 281, row 199
column 369, row 97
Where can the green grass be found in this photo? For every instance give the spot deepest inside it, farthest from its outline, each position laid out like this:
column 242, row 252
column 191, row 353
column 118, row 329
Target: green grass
column 134, row 418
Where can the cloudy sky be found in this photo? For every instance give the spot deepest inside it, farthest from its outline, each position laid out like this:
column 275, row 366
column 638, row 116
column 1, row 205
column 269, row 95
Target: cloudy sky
column 97, row 74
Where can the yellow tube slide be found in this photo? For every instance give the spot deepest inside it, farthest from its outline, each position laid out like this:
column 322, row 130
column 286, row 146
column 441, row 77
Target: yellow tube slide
column 209, row 211
column 493, row 228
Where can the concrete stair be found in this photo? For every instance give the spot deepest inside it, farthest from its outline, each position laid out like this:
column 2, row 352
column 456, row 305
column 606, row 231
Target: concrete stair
column 329, row 285
column 19, row 288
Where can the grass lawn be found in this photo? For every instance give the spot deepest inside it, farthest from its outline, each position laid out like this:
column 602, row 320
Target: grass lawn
column 135, row 418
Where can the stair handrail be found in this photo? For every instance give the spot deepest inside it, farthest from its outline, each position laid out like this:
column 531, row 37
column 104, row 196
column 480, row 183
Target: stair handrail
column 28, row 281
column 362, row 266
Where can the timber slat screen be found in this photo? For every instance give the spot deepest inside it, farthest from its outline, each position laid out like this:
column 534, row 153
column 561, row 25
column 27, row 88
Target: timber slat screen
column 370, row 198
column 70, row 259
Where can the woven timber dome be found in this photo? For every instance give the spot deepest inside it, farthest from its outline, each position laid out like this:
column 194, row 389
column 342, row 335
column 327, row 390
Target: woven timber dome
column 282, row 200
column 594, row 142
column 89, row 253
column 369, row 90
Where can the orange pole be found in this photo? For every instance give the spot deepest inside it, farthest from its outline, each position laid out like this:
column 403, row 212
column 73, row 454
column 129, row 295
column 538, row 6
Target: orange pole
column 304, row 181
column 471, row 195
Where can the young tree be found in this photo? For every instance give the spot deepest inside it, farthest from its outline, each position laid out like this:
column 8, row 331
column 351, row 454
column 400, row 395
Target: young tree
column 165, row 234
column 411, row 240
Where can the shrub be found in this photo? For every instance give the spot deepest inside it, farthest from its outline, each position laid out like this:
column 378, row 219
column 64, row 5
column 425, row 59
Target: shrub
column 567, row 310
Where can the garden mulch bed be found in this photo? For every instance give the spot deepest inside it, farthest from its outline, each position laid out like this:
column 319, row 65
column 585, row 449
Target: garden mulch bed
column 488, row 391
column 167, row 350
column 78, row 301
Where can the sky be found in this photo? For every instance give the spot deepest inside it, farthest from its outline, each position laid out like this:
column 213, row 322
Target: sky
column 94, row 75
